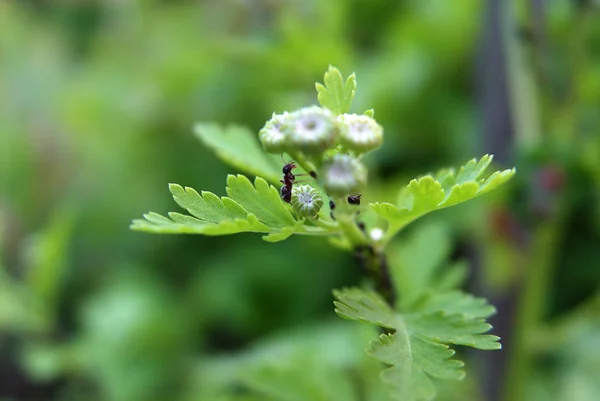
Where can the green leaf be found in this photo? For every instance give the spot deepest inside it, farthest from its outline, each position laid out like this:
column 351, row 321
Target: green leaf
column 305, row 363
column 430, row 193
column 428, row 248
column 419, row 264
column 419, row 347
column 336, row 95
column 239, row 147
column 249, row 208
column 260, row 199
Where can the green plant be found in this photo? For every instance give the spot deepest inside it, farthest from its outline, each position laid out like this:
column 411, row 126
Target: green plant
column 420, row 321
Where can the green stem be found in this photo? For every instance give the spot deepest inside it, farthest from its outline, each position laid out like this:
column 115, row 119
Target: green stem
column 303, row 162
column 353, row 233
column 367, row 253
column 530, row 308
column 328, row 225
column 524, row 95
column 307, row 231
column 374, row 262
column 345, row 217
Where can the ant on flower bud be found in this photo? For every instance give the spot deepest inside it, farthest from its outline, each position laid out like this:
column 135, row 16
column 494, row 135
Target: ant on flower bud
column 288, row 181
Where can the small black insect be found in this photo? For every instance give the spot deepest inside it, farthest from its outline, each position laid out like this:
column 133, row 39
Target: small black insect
column 331, row 206
column 354, row 199
column 313, row 174
column 288, row 181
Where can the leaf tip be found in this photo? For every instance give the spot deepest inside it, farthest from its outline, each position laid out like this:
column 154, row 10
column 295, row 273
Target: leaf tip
column 175, row 189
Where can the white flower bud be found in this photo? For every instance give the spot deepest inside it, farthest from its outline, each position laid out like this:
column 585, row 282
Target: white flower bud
column 272, row 136
column 306, row 200
column 344, row 174
column 311, row 130
column 360, row 133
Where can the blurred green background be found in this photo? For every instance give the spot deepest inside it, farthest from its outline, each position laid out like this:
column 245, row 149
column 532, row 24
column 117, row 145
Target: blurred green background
column 97, row 102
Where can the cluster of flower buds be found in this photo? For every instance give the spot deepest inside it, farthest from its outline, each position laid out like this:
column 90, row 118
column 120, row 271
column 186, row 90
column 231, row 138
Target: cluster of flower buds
column 333, row 143
column 313, row 130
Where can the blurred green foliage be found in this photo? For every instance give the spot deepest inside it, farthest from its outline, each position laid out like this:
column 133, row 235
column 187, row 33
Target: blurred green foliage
column 97, row 104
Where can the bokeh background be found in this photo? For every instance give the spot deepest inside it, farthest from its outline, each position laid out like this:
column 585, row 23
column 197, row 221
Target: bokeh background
column 97, row 102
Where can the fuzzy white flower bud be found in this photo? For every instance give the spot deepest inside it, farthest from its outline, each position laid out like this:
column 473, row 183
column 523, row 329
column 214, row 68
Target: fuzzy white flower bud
column 344, row 174
column 306, row 200
column 311, row 130
column 272, row 136
column 360, row 133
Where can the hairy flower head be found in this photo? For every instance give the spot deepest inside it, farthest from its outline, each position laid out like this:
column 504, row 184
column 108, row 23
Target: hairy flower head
column 344, row 174
column 272, row 136
column 360, row 133
column 311, row 129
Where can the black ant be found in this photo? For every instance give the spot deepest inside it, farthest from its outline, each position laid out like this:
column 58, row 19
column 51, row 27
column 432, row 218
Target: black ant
column 288, row 181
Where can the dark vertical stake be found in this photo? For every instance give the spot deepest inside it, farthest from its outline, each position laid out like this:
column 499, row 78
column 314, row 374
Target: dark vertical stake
column 492, row 83
column 496, row 126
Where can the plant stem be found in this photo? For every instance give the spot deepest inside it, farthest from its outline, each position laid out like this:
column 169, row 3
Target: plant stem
column 524, row 95
column 530, row 308
column 374, row 262
column 325, row 224
column 303, row 162
column 353, row 233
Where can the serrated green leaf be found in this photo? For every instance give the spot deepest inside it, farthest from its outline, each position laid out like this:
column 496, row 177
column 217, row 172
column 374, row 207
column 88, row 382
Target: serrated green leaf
column 182, row 224
column 260, row 199
column 495, row 180
column 249, row 208
column 417, row 260
column 208, row 207
column 430, row 193
column 239, row 147
column 473, row 169
column 426, row 193
column 285, row 233
column 419, row 348
column 451, row 277
column 410, row 383
column 336, row 95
